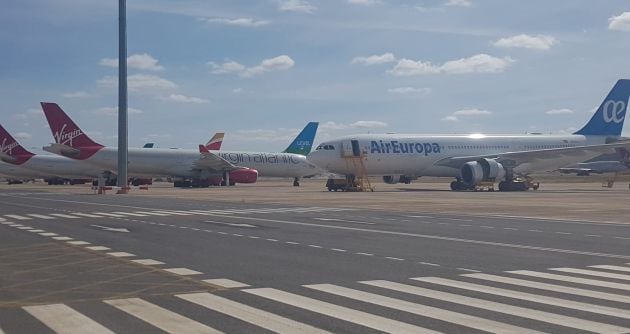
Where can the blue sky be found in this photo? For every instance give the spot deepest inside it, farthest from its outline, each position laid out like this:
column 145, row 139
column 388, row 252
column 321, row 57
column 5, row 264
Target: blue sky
column 260, row 70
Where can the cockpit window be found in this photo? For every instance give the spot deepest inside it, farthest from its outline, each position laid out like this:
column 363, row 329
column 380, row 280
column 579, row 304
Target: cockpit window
column 319, row 147
column 329, row 147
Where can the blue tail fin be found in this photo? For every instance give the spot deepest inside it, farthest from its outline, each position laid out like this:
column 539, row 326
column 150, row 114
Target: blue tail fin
column 303, row 143
column 609, row 117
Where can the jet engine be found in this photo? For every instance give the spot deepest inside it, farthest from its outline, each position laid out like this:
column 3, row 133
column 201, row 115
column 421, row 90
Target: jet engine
column 244, row 175
column 482, row 170
column 393, row 179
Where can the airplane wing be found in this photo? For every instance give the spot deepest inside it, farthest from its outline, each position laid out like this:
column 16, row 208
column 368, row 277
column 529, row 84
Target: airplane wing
column 514, row 159
column 213, row 162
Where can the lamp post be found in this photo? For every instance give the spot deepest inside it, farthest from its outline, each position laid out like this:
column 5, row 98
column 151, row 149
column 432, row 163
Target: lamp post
column 122, row 98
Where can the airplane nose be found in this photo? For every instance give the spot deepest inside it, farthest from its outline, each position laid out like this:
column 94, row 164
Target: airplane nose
column 314, row 158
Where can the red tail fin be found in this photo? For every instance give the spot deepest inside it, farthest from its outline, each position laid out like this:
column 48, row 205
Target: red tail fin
column 10, row 150
column 65, row 131
column 203, row 149
column 216, row 141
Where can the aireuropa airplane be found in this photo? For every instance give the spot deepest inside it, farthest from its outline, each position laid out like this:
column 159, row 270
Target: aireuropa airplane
column 476, row 159
column 187, row 166
column 18, row 163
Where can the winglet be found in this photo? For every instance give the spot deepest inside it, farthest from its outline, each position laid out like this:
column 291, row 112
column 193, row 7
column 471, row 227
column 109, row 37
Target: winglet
column 67, row 133
column 10, row 150
column 609, row 117
column 215, row 142
column 303, row 143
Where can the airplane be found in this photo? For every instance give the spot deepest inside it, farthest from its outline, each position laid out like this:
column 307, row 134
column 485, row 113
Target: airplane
column 601, row 165
column 20, row 164
column 187, row 167
column 475, row 160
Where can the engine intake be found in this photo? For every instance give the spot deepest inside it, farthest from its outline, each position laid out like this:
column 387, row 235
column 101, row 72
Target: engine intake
column 482, row 170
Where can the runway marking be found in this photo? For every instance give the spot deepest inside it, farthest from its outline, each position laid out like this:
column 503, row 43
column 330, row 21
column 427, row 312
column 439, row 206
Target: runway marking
column 89, row 215
column 226, row 283
column 315, row 246
column 272, row 240
column 429, row 264
column 175, row 213
column 366, row 254
column 465, row 225
column 616, row 268
column 129, row 214
column 48, row 234
column 109, row 214
column 622, row 238
column 484, row 226
column 260, row 318
column 78, row 242
column 437, row 237
column 159, row 317
column 484, row 304
column 231, row 224
column 566, row 233
column 98, row 248
column 121, row 254
column 148, row 262
column 593, row 235
column 552, row 287
column 65, row 320
column 62, row 238
column 24, row 228
column 458, row 219
column 572, row 279
column 253, row 237
column 18, row 217
column 510, row 228
column 292, row 242
column 35, row 215
column 534, row 231
column 394, row 258
column 339, row 312
column 37, row 231
column 237, row 235
column 470, row 270
column 344, row 221
column 593, row 273
column 183, row 271
column 63, row 215
column 422, row 310
column 615, row 312
column 338, row 250
column 151, row 213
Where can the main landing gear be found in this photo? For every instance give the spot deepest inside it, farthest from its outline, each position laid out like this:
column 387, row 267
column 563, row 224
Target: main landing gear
column 296, row 182
column 458, row 185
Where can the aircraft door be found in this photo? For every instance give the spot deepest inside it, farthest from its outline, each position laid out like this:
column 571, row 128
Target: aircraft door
column 350, row 148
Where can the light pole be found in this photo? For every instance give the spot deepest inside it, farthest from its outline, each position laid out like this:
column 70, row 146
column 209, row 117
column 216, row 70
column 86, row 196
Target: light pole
column 122, row 98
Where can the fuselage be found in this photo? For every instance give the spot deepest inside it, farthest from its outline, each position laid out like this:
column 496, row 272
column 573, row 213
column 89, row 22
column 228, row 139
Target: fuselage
column 416, row 155
column 181, row 162
column 49, row 166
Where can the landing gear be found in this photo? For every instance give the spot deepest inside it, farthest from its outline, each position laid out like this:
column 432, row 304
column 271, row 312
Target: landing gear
column 458, row 185
column 296, row 182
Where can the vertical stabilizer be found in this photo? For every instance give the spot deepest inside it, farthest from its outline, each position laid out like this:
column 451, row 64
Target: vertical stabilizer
column 609, row 117
column 10, row 150
column 215, row 142
column 303, row 143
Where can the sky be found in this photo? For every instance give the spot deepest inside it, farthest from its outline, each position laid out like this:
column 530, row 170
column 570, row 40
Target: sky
column 260, row 70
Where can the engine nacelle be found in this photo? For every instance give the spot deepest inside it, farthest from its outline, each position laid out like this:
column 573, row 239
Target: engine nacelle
column 245, row 175
column 393, row 179
column 482, row 170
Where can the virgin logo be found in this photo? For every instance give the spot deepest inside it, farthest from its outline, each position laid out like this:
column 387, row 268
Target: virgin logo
column 614, row 111
column 7, row 148
column 65, row 138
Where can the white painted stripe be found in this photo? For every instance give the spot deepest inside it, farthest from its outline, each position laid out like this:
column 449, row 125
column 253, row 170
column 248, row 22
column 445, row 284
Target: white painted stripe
column 35, row 215
column 78, row 242
column 174, row 213
column 151, row 213
column 573, row 279
column 611, row 311
column 260, row 318
column 62, row 238
column 226, row 283
column 108, row 214
column 65, row 320
column 552, row 287
column 25, row 228
column 159, row 317
column 339, row 312
column 89, row 215
column 148, row 262
column 423, row 310
column 63, row 215
column 129, row 214
column 37, row 231
column 6, row 223
column 18, row 217
column 2, row 219
column 616, row 268
column 48, row 234
column 183, row 271
column 121, row 254
column 98, row 248
column 593, row 273
column 522, row 312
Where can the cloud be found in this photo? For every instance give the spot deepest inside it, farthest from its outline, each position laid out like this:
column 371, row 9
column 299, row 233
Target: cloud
column 375, row 59
column 481, row 63
column 237, row 90
column 301, row 6
column 473, row 112
column 539, row 42
column 410, row 91
column 113, row 111
column 563, row 111
column 23, row 136
column 368, row 124
column 29, row 113
column 137, row 61
column 238, row 22
column 330, row 125
column 458, row 3
column 280, row 63
column 138, row 82
column 620, row 22
column 450, row 118
column 183, row 99
column 76, row 95
column 365, row 2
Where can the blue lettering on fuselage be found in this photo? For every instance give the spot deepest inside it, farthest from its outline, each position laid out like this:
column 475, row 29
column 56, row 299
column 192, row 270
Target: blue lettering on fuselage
column 397, row 147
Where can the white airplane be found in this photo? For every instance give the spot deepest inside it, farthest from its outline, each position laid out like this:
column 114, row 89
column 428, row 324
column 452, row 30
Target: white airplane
column 188, row 167
column 20, row 164
column 476, row 159
column 601, row 166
